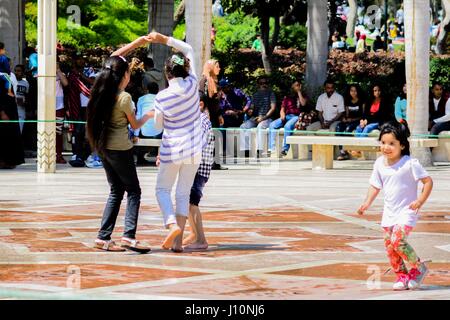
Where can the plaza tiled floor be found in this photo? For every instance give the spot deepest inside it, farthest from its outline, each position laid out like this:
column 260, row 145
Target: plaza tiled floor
column 285, row 234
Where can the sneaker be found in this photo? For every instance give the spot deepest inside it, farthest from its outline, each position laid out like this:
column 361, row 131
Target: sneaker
column 402, row 282
column 416, row 276
column 93, row 162
column 283, row 153
column 76, row 162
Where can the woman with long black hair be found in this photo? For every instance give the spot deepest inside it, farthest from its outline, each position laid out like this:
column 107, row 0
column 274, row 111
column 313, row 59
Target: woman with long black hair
column 110, row 111
column 377, row 111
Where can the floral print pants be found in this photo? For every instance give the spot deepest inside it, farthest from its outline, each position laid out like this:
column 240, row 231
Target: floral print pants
column 398, row 250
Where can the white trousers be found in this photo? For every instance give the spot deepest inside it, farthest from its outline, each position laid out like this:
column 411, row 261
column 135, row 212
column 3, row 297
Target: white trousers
column 168, row 173
column 21, row 112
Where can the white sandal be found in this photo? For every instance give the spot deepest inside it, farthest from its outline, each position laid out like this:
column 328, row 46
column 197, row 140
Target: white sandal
column 107, row 245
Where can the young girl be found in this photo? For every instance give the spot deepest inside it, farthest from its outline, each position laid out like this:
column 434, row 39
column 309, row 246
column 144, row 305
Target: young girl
column 177, row 112
column 197, row 239
column 110, row 111
column 398, row 174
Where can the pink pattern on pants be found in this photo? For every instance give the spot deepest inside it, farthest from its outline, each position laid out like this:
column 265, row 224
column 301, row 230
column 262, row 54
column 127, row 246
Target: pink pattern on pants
column 398, row 250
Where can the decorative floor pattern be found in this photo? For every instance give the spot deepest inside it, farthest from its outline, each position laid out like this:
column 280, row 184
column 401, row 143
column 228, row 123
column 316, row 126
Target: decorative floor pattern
column 283, row 242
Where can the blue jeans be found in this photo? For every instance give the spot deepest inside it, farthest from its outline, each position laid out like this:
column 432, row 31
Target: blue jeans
column 439, row 127
column 363, row 132
column 121, row 174
column 291, row 119
column 197, row 189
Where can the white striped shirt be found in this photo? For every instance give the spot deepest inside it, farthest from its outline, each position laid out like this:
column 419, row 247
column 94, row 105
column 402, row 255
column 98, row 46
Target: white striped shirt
column 177, row 111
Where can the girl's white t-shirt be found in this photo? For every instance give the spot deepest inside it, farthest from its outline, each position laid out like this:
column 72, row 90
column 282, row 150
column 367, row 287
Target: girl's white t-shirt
column 399, row 183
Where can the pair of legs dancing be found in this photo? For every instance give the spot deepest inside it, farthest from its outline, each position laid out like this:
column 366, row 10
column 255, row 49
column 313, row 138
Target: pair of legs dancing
column 175, row 218
column 122, row 176
column 196, row 240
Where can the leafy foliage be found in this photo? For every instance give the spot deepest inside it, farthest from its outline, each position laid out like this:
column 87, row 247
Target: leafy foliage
column 439, row 70
column 107, row 22
column 234, row 31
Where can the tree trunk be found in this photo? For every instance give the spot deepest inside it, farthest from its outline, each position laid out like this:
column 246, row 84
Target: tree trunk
column 351, row 18
column 441, row 45
column 12, row 25
column 266, row 50
column 198, row 31
column 276, row 32
column 317, row 46
column 160, row 19
column 179, row 14
column 417, row 62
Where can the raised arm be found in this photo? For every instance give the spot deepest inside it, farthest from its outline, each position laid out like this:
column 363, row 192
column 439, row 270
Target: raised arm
column 179, row 45
column 125, row 50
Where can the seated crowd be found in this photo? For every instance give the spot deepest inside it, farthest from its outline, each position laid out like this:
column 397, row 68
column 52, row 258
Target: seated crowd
column 352, row 113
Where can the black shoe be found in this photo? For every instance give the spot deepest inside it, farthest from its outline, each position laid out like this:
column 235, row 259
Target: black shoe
column 283, row 154
column 343, row 156
column 78, row 163
column 217, row 166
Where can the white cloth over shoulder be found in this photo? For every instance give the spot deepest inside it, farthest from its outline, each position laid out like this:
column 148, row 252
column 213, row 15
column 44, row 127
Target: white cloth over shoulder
column 399, row 183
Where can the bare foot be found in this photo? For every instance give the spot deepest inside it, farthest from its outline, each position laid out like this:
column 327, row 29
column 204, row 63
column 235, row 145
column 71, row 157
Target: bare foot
column 189, row 239
column 197, row 246
column 173, row 233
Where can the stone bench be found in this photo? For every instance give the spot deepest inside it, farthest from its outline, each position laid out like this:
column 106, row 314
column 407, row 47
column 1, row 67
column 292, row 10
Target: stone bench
column 233, row 144
column 147, row 142
column 442, row 152
column 323, row 146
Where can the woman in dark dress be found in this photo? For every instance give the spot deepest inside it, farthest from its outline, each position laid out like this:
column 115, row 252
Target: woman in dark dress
column 11, row 147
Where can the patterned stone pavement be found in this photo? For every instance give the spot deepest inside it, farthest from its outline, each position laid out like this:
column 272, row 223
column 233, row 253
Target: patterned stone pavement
column 275, row 232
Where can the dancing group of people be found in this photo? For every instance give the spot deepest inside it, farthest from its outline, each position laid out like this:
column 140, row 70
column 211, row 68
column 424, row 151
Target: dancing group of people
column 186, row 152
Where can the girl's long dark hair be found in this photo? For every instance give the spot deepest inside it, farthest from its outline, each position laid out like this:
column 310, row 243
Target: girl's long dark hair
column 401, row 132
column 103, row 98
column 348, row 97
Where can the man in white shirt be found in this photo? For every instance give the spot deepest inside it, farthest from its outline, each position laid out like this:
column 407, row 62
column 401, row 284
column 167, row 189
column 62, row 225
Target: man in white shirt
column 331, row 108
column 439, row 110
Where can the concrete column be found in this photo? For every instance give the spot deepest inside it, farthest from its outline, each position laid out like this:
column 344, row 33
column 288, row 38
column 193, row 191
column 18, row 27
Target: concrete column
column 198, row 30
column 46, row 85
